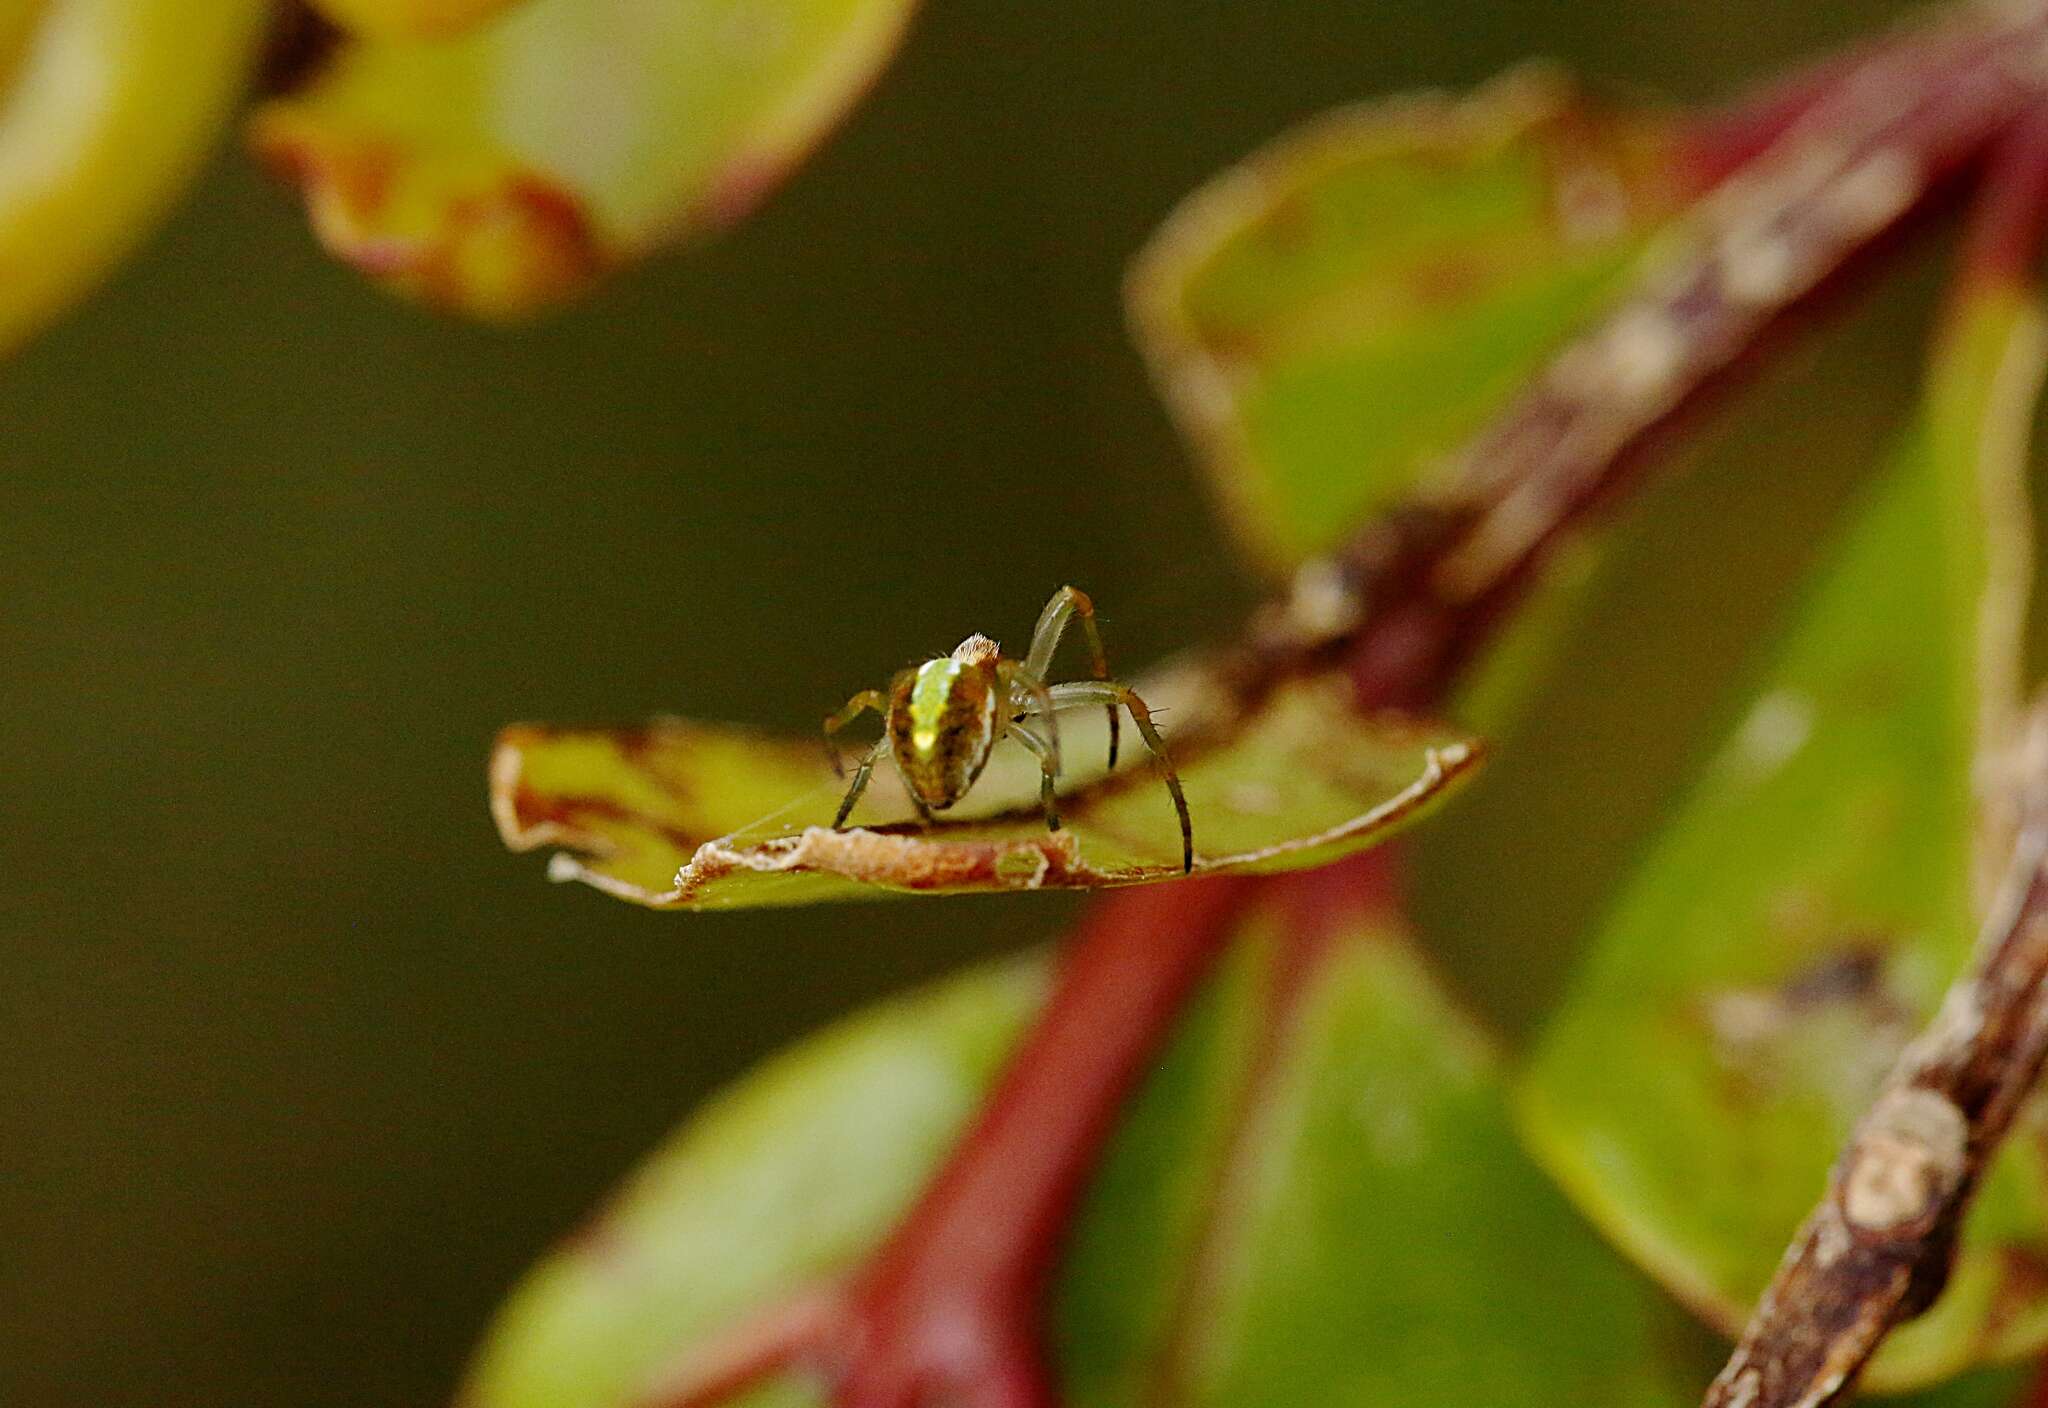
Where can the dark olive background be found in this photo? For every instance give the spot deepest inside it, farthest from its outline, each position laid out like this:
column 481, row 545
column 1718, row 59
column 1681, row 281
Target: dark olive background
column 297, row 1068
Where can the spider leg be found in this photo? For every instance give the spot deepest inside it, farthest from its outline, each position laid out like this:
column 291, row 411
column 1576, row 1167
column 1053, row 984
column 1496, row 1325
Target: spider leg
column 1114, row 693
column 860, row 703
column 861, row 775
column 1067, row 604
column 1028, row 695
column 1046, row 750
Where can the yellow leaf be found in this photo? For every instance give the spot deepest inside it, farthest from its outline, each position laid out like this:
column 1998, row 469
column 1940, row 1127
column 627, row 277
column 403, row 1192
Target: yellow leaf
column 496, row 174
column 410, row 19
column 110, row 105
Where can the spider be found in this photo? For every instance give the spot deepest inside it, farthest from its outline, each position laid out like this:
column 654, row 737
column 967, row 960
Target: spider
column 942, row 719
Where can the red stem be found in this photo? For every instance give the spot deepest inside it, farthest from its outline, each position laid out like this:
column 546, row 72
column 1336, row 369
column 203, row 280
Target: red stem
column 2008, row 226
column 1720, row 142
column 1126, row 974
column 976, row 1254
column 946, row 1310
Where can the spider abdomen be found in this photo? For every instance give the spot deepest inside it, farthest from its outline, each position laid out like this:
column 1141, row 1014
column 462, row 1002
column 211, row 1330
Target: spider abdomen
column 943, row 719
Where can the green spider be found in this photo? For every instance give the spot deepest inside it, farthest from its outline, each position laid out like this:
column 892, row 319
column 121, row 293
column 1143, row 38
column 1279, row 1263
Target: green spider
column 942, row 719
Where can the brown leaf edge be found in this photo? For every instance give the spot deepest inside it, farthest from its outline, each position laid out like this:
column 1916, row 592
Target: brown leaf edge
column 512, row 243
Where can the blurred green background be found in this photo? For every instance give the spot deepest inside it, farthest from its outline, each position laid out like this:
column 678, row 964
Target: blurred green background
column 297, row 1068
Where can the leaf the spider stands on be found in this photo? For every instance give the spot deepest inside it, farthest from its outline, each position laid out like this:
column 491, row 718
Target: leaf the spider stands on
column 677, row 814
column 499, row 172
column 1332, row 316
column 1805, row 905
column 109, row 107
column 1342, row 1216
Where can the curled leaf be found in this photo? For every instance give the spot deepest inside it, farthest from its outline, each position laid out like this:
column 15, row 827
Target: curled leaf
column 110, row 105
column 1801, row 912
column 499, row 172
column 1353, row 301
column 686, row 815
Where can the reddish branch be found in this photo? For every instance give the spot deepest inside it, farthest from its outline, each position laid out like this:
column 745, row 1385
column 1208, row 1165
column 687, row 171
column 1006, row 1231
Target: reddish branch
column 1413, row 596
column 944, row 1312
column 948, row 1312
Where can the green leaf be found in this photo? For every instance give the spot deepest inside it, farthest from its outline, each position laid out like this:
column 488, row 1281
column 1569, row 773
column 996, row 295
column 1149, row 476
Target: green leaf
column 686, row 815
column 1992, row 1388
column 1351, row 303
column 786, row 1180
column 498, row 172
column 110, row 107
column 1344, row 1218
column 1382, row 1238
column 1806, row 904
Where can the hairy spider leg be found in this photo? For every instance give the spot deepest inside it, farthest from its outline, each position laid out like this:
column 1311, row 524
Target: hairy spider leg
column 1114, row 693
column 860, row 703
column 1067, row 604
column 1046, row 750
column 861, row 775
column 1028, row 694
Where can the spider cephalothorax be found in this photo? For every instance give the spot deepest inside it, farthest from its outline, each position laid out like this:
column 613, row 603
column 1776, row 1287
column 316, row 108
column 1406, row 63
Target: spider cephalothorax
column 941, row 720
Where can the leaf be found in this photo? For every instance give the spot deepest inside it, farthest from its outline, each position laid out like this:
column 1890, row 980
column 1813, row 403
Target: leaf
column 788, row 1178
column 110, row 107
column 1803, row 909
column 1388, row 1243
column 410, row 19
column 2002, row 1387
column 1352, row 1223
column 687, row 815
column 1351, row 303
column 498, row 173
